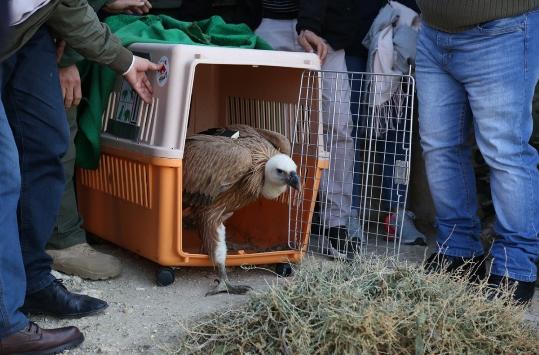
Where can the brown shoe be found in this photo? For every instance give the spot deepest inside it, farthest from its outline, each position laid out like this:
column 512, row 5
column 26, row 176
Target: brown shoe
column 36, row 341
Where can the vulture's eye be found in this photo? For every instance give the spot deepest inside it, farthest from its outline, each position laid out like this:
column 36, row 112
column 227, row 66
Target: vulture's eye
column 279, row 171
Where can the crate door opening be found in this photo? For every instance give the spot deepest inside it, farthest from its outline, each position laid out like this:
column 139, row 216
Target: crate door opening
column 261, row 97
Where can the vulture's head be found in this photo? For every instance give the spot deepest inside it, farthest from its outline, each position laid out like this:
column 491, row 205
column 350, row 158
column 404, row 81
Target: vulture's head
column 280, row 172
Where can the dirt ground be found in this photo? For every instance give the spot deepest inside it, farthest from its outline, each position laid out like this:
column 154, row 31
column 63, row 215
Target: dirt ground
column 143, row 318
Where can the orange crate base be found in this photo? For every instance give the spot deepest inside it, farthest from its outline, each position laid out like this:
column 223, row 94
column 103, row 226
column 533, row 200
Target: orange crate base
column 135, row 202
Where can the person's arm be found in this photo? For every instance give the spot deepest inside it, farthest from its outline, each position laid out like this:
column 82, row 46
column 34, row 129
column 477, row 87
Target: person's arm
column 140, row 7
column 70, row 81
column 130, row 7
column 70, row 56
column 311, row 15
column 77, row 23
column 310, row 21
column 4, row 20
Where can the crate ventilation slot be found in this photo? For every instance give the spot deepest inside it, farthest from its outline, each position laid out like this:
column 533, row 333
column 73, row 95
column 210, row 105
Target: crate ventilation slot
column 129, row 117
column 121, row 178
column 271, row 115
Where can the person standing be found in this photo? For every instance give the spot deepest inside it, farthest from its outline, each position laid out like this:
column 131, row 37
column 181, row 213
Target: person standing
column 33, row 138
column 325, row 28
column 70, row 252
column 389, row 144
column 477, row 74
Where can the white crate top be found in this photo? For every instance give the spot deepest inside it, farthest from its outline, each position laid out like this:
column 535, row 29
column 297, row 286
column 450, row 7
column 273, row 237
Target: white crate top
column 186, row 54
column 173, row 89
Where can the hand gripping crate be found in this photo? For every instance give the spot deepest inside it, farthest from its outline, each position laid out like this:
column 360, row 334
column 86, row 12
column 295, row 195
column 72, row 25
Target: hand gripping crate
column 134, row 198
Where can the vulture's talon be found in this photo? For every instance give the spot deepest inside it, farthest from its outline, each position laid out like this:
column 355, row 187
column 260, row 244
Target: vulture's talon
column 238, row 289
column 214, row 292
column 221, row 287
column 225, row 287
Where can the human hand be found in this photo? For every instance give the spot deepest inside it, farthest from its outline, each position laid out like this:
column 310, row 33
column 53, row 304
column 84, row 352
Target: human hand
column 308, row 39
column 128, row 6
column 136, row 77
column 70, row 83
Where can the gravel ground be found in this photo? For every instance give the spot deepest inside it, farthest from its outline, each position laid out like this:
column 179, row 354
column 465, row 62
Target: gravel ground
column 143, row 318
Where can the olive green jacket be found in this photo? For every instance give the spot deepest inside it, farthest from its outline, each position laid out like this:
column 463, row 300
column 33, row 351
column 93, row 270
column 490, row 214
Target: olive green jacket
column 71, row 56
column 77, row 23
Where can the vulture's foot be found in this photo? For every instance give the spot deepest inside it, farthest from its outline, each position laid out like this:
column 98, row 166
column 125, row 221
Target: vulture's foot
column 227, row 287
column 237, row 289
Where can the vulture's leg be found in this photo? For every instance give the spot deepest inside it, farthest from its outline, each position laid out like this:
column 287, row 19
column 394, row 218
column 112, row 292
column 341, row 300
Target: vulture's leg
column 219, row 257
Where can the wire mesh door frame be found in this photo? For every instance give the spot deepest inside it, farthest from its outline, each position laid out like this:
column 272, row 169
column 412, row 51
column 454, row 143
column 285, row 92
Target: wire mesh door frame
column 362, row 124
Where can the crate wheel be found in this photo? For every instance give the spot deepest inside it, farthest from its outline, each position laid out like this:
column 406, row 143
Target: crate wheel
column 165, row 276
column 283, row 270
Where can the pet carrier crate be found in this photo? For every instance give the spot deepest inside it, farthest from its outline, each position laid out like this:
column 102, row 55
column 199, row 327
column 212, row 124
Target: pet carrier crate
column 367, row 128
column 134, row 198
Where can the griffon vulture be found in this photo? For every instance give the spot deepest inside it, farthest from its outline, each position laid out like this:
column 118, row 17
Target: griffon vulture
column 222, row 175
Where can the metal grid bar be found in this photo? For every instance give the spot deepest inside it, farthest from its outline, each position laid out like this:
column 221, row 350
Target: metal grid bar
column 362, row 124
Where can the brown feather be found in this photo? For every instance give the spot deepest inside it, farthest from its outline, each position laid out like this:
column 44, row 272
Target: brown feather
column 211, row 166
column 280, row 142
column 222, row 175
column 277, row 140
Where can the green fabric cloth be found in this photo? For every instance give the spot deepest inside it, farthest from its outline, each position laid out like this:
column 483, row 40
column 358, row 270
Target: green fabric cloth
column 98, row 81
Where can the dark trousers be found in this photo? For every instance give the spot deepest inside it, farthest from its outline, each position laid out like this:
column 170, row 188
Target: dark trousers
column 389, row 146
column 34, row 108
column 68, row 230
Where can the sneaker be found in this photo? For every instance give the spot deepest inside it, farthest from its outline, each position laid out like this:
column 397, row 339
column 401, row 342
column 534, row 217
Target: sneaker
column 522, row 291
column 341, row 244
column 410, row 234
column 474, row 268
column 84, row 261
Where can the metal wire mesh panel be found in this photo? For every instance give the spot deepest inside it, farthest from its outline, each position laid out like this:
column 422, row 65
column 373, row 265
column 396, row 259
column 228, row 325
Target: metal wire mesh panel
column 363, row 127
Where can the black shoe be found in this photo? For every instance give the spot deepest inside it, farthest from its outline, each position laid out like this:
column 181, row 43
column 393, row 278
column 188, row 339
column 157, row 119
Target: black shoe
column 37, row 341
column 522, row 291
column 473, row 268
column 341, row 245
column 55, row 300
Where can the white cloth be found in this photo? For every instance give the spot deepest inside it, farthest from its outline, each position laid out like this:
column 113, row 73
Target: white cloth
column 391, row 43
column 21, row 10
column 336, row 186
column 383, row 56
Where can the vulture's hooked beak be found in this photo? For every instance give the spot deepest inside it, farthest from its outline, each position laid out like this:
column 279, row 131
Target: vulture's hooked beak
column 293, row 180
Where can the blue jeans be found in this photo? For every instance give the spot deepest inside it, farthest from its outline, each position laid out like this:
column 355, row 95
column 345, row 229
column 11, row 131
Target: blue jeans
column 12, row 278
column 33, row 103
column 481, row 82
column 388, row 147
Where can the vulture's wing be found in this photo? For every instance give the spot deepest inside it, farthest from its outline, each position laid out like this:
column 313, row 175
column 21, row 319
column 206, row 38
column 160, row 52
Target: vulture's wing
column 211, row 165
column 279, row 141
